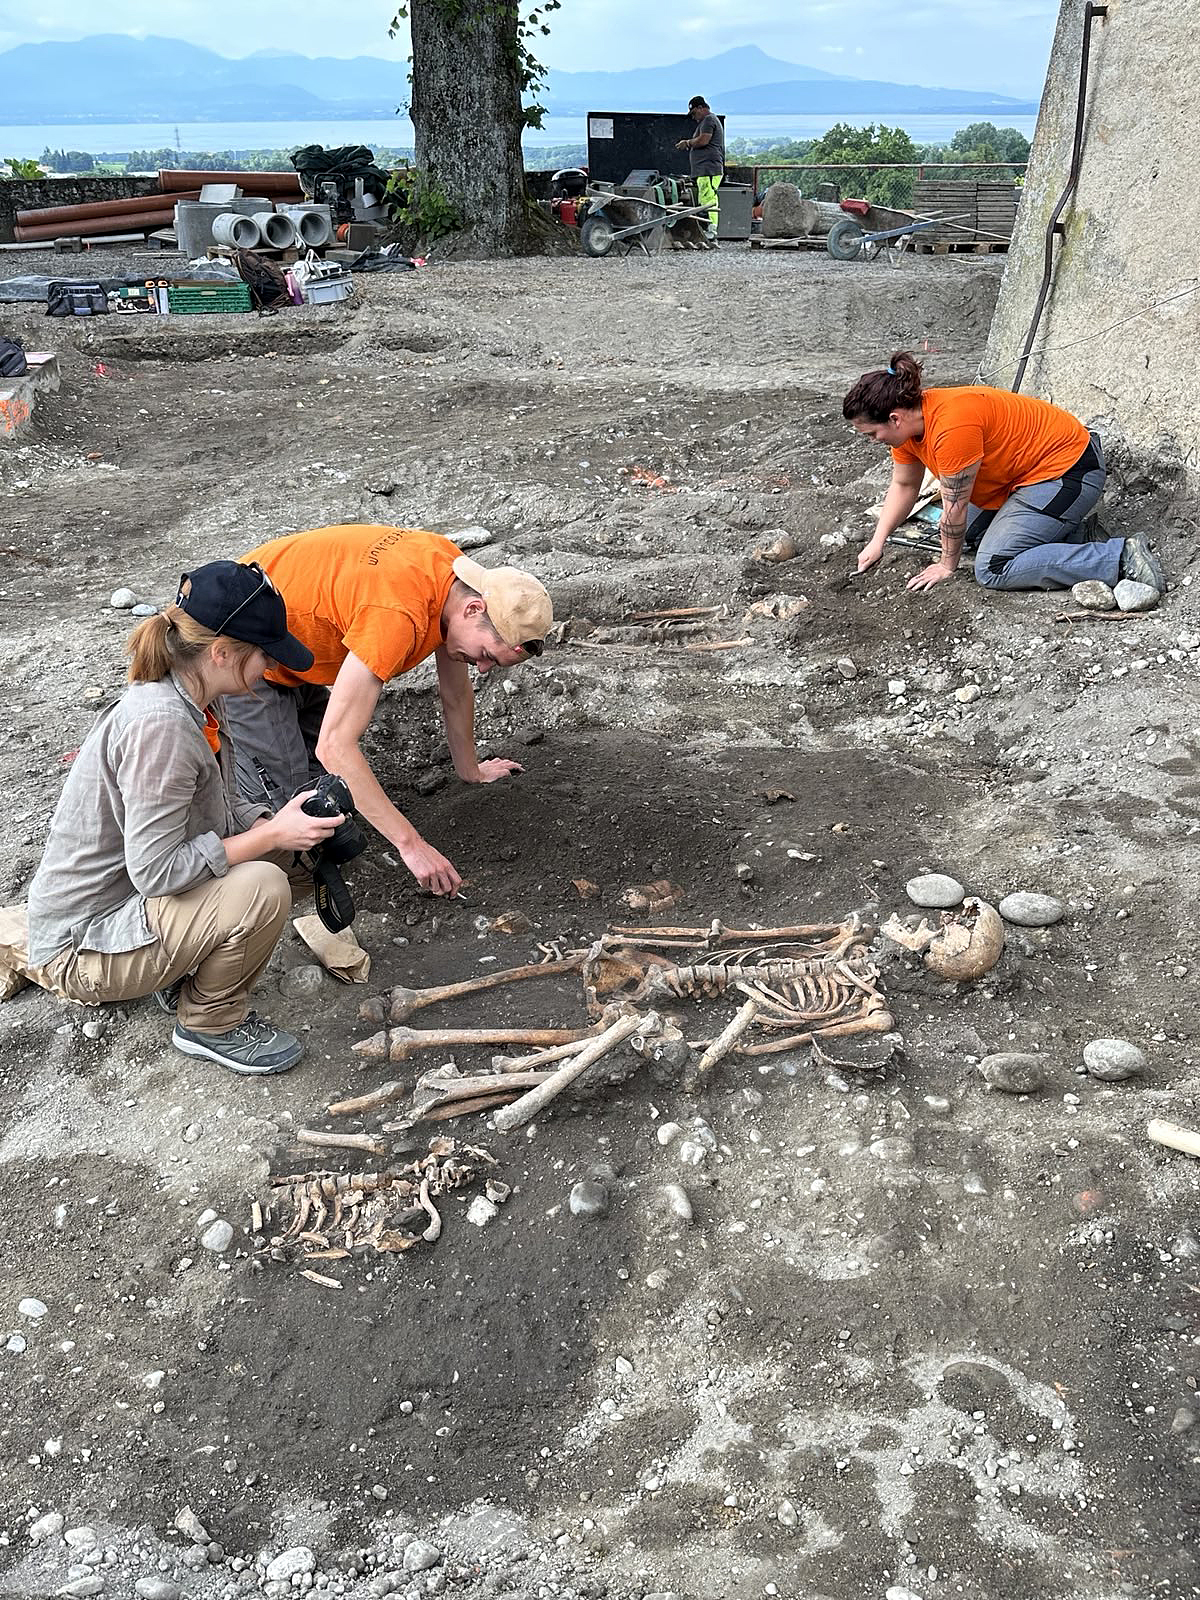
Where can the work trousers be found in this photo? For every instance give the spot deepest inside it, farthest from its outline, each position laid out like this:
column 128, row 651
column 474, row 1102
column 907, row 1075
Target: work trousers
column 218, row 937
column 275, row 732
column 1036, row 539
column 706, row 195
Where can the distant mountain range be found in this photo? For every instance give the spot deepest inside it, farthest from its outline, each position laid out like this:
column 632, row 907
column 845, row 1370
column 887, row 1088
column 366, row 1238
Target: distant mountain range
column 117, row 78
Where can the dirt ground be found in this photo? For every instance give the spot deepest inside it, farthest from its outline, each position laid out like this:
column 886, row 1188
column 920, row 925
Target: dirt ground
column 921, row 1338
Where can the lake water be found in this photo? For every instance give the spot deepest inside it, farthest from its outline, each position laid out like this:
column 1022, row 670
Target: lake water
column 396, row 132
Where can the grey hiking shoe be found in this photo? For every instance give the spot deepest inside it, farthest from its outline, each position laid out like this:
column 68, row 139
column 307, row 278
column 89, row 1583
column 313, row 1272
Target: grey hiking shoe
column 1138, row 563
column 254, row 1048
column 168, row 999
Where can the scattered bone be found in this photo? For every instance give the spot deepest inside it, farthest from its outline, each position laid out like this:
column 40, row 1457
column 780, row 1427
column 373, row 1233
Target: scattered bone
column 340, row 1141
column 528, row 1106
column 319, row 1277
column 880, row 1021
column 677, row 612
column 1174, row 1136
column 434, row 1230
column 539, row 1058
column 727, row 1038
column 652, row 897
column 403, row 1002
column 399, row 1044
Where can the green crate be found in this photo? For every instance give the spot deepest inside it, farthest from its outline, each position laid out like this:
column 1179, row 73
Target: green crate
column 188, row 299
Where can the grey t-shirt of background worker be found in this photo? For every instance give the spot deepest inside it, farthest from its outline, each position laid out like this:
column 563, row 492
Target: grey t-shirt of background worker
column 708, row 161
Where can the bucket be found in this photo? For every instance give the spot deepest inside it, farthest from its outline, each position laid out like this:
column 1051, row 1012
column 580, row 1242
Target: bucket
column 277, row 229
column 233, row 229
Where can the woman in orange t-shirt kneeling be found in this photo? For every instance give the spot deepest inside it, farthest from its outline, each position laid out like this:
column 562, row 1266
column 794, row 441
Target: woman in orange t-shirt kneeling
column 1018, row 477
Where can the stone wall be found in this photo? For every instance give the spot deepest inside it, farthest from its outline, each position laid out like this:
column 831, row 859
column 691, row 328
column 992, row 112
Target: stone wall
column 28, row 194
column 1100, row 350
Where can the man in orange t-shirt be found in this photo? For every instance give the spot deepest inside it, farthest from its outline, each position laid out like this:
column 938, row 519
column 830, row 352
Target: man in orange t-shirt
column 1017, row 476
column 372, row 602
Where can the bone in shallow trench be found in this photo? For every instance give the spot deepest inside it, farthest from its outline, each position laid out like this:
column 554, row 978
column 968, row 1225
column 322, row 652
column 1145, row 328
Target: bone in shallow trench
column 399, row 1044
column 402, row 1002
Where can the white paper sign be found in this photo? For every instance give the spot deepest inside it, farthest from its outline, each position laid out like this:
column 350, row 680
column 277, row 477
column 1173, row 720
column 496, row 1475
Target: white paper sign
column 600, row 127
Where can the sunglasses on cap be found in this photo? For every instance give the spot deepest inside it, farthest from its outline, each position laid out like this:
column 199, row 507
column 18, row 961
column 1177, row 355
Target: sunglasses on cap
column 532, row 647
column 263, row 583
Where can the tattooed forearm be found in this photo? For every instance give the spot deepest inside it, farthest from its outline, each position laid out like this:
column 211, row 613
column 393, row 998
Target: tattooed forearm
column 956, row 498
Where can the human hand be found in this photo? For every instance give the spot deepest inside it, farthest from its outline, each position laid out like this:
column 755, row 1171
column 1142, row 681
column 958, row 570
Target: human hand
column 294, row 829
column 429, row 867
column 936, row 572
column 681, row 144
column 870, row 554
column 500, row 767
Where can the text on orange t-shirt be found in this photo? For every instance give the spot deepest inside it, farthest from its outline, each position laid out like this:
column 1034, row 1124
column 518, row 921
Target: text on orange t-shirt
column 360, row 589
column 1019, row 439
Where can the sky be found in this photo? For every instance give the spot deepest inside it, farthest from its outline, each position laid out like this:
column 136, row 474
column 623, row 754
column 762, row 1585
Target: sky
column 1001, row 45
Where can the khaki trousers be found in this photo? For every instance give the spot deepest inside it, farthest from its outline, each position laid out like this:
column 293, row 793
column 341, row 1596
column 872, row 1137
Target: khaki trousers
column 218, row 936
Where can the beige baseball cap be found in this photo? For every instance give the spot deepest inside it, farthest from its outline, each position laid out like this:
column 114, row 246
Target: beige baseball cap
column 518, row 607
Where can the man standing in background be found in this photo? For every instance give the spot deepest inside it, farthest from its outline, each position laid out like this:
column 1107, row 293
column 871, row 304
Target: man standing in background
column 706, row 156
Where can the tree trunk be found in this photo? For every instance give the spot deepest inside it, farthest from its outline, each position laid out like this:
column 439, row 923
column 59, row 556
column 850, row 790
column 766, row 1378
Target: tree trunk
column 466, row 112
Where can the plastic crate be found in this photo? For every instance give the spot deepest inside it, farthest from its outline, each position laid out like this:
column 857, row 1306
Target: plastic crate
column 190, row 299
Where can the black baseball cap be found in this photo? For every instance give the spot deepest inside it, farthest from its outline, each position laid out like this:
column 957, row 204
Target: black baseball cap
column 240, row 601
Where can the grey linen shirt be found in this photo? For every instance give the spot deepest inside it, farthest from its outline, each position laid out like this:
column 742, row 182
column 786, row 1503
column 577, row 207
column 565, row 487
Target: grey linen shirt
column 142, row 814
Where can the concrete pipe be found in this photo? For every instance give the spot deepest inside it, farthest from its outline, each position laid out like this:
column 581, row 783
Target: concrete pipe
column 313, row 225
column 277, row 229
column 233, row 229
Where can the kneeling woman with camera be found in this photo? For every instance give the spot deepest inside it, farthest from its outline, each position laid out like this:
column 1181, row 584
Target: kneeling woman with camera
column 155, row 877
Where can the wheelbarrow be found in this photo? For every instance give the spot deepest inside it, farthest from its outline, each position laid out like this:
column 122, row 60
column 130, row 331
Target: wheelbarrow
column 629, row 221
column 848, row 240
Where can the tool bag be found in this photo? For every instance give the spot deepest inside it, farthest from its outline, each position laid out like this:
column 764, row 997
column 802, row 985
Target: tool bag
column 12, row 359
column 70, row 297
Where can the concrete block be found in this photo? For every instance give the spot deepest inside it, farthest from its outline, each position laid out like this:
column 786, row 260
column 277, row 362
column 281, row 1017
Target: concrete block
column 43, row 369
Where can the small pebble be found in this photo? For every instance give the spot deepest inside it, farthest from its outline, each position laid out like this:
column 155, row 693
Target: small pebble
column 968, row 692
column 1133, row 596
column 83, row 1586
column 659, row 1278
column 1094, row 596
column 95, row 1028
column 935, row 891
column 1014, row 1073
column 1112, row 1060
column 81, row 1538
column 786, row 1514
column 143, row 611
column 156, row 1589
column 123, row 600
column 190, row 1526
column 420, row 1556
column 46, row 1527
column 677, row 1201
column 588, row 1199
column 666, row 1131
column 1183, row 1419
column 15, row 1344
column 846, row 668
column 217, row 1236
column 290, row 1564
column 1030, row 910
column 32, row 1308
column 481, row 1211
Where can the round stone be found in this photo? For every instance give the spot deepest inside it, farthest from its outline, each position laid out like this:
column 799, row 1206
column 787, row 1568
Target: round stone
column 156, row 1589
column 1030, row 910
column 1014, row 1073
column 588, row 1199
column 420, row 1556
column 32, row 1308
column 15, row 1344
column 302, row 981
column 1112, row 1060
column 968, row 692
column 290, row 1563
column 677, row 1201
column 1094, row 596
column 123, row 600
column 894, row 1148
column 935, row 891
column 217, row 1236
column 1133, row 596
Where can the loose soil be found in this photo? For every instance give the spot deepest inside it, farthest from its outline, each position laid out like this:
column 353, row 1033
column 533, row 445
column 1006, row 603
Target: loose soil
column 961, row 1362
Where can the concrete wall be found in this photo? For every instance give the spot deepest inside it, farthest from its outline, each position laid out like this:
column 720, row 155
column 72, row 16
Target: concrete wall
column 1130, row 241
column 28, row 194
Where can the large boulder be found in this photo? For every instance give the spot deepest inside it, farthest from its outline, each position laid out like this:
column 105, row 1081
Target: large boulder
column 786, row 214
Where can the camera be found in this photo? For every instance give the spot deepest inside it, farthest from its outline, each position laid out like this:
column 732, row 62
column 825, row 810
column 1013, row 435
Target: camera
column 332, row 798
